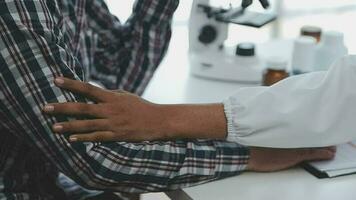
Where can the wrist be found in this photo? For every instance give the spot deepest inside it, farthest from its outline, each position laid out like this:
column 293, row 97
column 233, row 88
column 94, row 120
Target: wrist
column 158, row 123
column 167, row 122
column 194, row 121
column 250, row 166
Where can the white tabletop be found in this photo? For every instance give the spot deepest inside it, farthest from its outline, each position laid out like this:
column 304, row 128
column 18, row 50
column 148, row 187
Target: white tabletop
column 285, row 185
column 173, row 84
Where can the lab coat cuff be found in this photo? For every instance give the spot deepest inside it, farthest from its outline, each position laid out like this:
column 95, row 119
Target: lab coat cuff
column 230, row 113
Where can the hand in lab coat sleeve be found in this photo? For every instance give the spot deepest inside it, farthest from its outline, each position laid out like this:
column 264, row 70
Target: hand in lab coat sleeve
column 310, row 110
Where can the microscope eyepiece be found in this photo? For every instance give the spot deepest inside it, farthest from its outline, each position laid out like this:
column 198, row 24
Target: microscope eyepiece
column 264, row 3
column 247, row 3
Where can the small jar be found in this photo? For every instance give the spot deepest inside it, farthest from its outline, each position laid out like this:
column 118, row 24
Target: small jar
column 312, row 31
column 276, row 70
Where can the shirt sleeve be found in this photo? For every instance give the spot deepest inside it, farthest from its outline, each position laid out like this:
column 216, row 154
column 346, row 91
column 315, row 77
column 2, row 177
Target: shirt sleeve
column 128, row 54
column 32, row 52
column 310, row 110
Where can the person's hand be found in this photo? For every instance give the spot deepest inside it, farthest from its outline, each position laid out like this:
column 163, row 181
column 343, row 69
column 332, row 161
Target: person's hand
column 121, row 116
column 116, row 116
column 269, row 159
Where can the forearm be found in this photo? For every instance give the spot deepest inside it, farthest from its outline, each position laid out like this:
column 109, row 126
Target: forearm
column 194, row 121
column 160, row 166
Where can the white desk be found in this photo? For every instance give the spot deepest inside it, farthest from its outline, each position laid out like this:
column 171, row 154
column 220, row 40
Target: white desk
column 173, row 84
column 292, row 184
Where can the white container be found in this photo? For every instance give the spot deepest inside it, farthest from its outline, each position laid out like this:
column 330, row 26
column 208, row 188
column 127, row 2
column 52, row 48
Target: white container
column 303, row 54
column 276, row 63
column 330, row 48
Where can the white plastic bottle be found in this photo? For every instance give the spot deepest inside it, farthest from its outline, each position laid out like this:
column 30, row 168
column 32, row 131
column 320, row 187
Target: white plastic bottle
column 330, row 48
column 303, row 55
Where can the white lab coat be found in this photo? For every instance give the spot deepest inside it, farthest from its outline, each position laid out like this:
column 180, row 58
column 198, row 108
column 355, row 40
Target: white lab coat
column 310, row 110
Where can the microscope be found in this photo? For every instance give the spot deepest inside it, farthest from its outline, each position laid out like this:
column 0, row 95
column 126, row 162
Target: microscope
column 208, row 30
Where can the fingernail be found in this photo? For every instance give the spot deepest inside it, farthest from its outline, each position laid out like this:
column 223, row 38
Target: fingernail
column 57, row 127
column 73, row 138
column 59, row 81
column 48, row 108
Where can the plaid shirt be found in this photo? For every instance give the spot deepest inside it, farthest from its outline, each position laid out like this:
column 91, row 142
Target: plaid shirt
column 80, row 39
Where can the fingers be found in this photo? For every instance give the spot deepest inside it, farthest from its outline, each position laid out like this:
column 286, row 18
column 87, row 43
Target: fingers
column 92, row 92
column 318, row 154
column 332, row 149
column 98, row 136
column 81, row 126
column 75, row 109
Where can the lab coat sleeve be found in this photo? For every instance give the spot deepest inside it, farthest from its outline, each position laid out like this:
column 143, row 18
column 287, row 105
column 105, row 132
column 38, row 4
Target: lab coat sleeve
column 310, row 110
